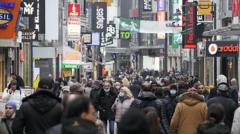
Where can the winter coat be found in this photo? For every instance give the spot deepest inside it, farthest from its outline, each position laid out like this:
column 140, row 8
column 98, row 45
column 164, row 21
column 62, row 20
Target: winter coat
column 3, row 128
column 235, row 87
column 173, row 100
column 39, row 112
column 105, row 102
column 144, row 74
column 135, row 89
column 229, row 106
column 236, row 122
column 190, row 111
column 87, row 91
column 20, row 81
column 169, row 108
column 94, row 93
column 212, row 129
column 206, row 95
column 15, row 96
column 121, row 108
column 74, row 126
column 232, row 93
column 146, row 97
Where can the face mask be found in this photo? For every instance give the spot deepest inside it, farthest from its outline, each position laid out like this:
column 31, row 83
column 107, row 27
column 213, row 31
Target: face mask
column 173, row 92
column 117, row 87
column 121, row 94
column 61, row 86
column 107, row 90
column 222, row 123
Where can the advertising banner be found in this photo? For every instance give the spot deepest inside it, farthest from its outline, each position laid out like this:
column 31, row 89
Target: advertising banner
column 161, row 17
column 87, row 67
column 27, row 35
column 99, row 17
column 74, row 29
column 71, row 56
column 29, row 8
column 222, row 48
column 87, row 38
column 95, row 39
column 235, row 8
column 109, row 66
column 161, row 5
column 106, row 39
column 74, row 10
column 147, row 5
column 204, row 10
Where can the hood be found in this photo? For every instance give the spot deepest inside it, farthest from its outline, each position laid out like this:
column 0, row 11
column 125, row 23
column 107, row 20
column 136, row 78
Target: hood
column 213, row 129
column 76, row 125
column 190, row 98
column 42, row 101
column 147, row 96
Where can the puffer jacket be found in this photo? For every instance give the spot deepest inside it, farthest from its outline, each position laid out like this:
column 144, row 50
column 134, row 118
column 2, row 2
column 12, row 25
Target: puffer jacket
column 168, row 107
column 121, row 108
column 148, row 97
column 3, row 128
column 236, row 122
column 15, row 96
column 190, row 111
column 212, row 129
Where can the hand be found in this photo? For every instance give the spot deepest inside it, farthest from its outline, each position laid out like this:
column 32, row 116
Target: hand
column 115, row 104
column 10, row 90
column 103, row 110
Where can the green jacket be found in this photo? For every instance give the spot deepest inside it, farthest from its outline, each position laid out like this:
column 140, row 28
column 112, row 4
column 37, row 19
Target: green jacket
column 3, row 128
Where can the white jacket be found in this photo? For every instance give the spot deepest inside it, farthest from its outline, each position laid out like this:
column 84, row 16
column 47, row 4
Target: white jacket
column 236, row 122
column 14, row 96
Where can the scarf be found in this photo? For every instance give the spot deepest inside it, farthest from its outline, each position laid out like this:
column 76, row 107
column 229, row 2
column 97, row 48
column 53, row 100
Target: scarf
column 122, row 99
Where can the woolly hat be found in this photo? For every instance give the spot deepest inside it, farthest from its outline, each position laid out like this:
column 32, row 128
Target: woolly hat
column 12, row 104
column 133, row 122
column 193, row 90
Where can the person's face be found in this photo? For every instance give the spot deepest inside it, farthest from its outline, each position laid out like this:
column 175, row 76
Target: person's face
column 89, row 82
column 106, row 86
column 62, row 84
column 9, row 111
column 95, row 86
column 117, row 84
column 201, row 89
column 13, row 77
column 90, row 115
column 13, row 86
column 123, row 92
column 190, row 78
column 50, row 77
column 100, row 81
column 65, row 93
column 84, row 80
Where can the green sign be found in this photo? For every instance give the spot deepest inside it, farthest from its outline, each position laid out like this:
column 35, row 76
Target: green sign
column 70, row 66
column 178, row 37
column 174, row 43
column 129, row 25
column 174, row 16
column 125, row 35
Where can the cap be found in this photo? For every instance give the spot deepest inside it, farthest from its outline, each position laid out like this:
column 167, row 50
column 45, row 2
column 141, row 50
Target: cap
column 222, row 87
column 154, row 83
column 194, row 90
column 96, row 82
column 76, row 87
column 66, row 88
column 45, row 83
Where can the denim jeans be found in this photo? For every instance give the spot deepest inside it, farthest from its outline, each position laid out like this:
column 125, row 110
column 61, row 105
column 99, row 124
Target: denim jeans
column 111, row 126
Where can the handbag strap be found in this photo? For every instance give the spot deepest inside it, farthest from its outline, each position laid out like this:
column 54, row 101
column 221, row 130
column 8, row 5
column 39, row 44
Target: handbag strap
column 8, row 129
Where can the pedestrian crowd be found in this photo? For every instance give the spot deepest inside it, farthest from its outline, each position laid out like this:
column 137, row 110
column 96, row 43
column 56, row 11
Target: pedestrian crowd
column 131, row 103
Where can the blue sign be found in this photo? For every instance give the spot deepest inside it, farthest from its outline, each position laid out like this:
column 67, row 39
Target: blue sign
column 19, row 17
column 7, row 4
column 95, row 39
column 5, row 16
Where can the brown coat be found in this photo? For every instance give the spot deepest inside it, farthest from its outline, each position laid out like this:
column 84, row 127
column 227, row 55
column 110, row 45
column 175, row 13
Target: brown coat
column 190, row 111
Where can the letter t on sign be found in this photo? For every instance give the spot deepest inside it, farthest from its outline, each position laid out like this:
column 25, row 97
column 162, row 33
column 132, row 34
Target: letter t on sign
column 122, row 34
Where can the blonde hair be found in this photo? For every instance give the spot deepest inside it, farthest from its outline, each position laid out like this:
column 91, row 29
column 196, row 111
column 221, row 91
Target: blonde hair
column 127, row 91
column 125, row 82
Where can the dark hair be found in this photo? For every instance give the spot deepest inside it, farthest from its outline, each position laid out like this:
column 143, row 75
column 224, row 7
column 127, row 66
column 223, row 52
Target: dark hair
column 65, row 83
column 14, row 74
column 59, row 80
column 146, row 87
column 73, row 77
column 166, row 82
column 152, row 119
column 78, row 106
column 215, row 113
column 159, row 91
column 191, row 76
column 109, row 81
column 13, row 82
column 196, row 85
column 173, row 87
column 135, row 82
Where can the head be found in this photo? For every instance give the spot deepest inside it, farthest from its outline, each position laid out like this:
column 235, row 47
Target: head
column 10, row 109
column 14, row 76
column 66, row 100
column 191, row 78
column 154, row 85
column 89, row 81
column 76, row 88
column 63, row 83
column 216, row 113
column 173, row 90
column 159, row 92
column 84, row 80
column 117, row 85
column 65, row 91
column 81, row 107
column 50, row 76
column 100, row 126
column 125, row 92
column 96, row 84
column 152, row 119
column 201, row 89
column 13, row 84
column 222, row 89
column 146, row 87
column 125, row 82
column 45, row 84
column 100, row 80
column 233, row 81
column 194, row 90
column 106, row 87
column 221, row 79
column 196, row 85
column 73, row 78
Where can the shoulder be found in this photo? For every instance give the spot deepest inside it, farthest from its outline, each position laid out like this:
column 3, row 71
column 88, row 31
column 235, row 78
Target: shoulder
column 55, row 130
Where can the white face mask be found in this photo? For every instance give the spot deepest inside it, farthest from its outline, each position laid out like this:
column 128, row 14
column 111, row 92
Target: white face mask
column 117, row 87
column 121, row 94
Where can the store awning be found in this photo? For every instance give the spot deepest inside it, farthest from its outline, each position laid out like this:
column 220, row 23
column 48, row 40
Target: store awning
column 233, row 29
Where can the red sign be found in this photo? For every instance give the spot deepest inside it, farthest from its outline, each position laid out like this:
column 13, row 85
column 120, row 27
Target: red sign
column 229, row 48
column 235, row 8
column 73, row 9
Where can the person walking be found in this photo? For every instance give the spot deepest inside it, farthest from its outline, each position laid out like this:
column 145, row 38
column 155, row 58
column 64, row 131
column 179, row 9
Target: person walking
column 87, row 90
column 7, row 119
column 18, row 78
column 236, row 122
column 234, row 84
column 203, row 91
column 135, row 89
column 214, row 121
column 122, row 103
column 13, row 93
column 95, row 91
column 190, row 111
column 39, row 111
column 152, row 119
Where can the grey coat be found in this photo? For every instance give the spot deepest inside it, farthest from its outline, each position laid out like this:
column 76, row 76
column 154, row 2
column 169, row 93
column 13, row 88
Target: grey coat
column 3, row 128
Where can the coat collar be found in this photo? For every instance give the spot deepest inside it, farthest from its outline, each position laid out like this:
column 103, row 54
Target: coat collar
column 4, row 117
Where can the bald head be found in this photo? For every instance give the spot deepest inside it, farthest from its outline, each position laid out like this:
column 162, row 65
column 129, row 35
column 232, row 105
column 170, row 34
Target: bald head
column 233, row 81
column 50, row 76
column 67, row 99
column 146, row 87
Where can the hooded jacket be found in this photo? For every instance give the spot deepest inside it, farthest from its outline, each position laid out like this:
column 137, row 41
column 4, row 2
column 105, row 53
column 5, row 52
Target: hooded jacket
column 39, row 112
column 190, row 111
column 212, row 129
column 15, row 96
column 149, row 97
column 3, row 128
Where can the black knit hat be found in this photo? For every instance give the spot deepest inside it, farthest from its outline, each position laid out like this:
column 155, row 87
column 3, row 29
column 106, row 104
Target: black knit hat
column 173, row 87
column 133, row 122
column 100, row 78
column 45, row 83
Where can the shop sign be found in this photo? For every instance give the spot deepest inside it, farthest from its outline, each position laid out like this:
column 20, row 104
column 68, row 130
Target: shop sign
column 111, row 28
column 106, row 39
column 73, row 10
column 95, row 39
column 147, row 5
column 87, row 67
column 125, row 35
column 109, row 66
column 222, row 49
column 235, row 8
column 109, row 2
column 27, row 35
column 29, row 8
column 87, row 38
column 5, row 17
column 71, row 56
column 204, row 10
column 161, row 5
column 99, row 17
column 161, row 17
column 74, row 31
column 70, row 66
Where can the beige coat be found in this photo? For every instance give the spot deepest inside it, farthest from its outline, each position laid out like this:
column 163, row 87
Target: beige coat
column 3, row 129
column 121, row 108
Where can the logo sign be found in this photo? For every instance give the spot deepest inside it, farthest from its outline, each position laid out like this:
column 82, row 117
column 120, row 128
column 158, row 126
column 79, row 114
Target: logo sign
column 109, row 66
column 161, row 5
column 87, row 67
column 99, row 14
column 106, row 39
column 27, row 35
column 161, row 17
column 111, row 28
column 222, row 48
column 70, row 66
column 71, row 58
column 5, row 17
column 74, row 31
column 95, row 39
column 235, row 8
column 29, row 8
column 124, row 35
column 147, row 5
column 87, row 38
column 204, row 10
column 74, row 10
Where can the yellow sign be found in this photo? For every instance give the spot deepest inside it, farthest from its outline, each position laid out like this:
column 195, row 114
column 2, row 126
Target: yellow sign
column 67, row 72
column 109, row 2
column 204, row 10
column 91, row 0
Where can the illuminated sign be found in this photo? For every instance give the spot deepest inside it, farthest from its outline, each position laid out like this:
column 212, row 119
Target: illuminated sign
column 7, row 4
column 5, row 16
column 73, row 9
column 125, row 35
column 222, row 48
column 70, row 66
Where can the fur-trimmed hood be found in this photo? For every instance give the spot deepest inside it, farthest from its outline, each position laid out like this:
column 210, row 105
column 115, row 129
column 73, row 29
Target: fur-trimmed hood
column 190, row 98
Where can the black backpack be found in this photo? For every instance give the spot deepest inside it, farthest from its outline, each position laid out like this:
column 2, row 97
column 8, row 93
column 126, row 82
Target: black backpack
column 151, row 103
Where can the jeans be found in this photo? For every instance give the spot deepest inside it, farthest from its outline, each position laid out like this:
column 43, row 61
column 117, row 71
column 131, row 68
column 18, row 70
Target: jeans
column 111, row 126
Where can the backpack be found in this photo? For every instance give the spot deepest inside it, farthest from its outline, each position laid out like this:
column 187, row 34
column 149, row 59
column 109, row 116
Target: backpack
column 144, row 104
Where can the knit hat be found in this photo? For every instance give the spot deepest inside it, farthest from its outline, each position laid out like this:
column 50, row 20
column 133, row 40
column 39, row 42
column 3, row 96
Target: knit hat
column 45, row 83
column 100, row 78
column 133, row 122
column 154, row 83
column 12, row 104
column 173, row 87
column 193, row 90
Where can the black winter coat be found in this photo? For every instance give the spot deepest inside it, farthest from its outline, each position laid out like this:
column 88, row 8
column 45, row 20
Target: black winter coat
column 144, row 75
column 212, row 129
column 206, row 95
column 173, row 100
column 20, row 81
column 169, row 108
column 229, row 106
column 149, row 96
column 135, row 89
column 39, row 112
column 105, row 102
column 94, row 93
